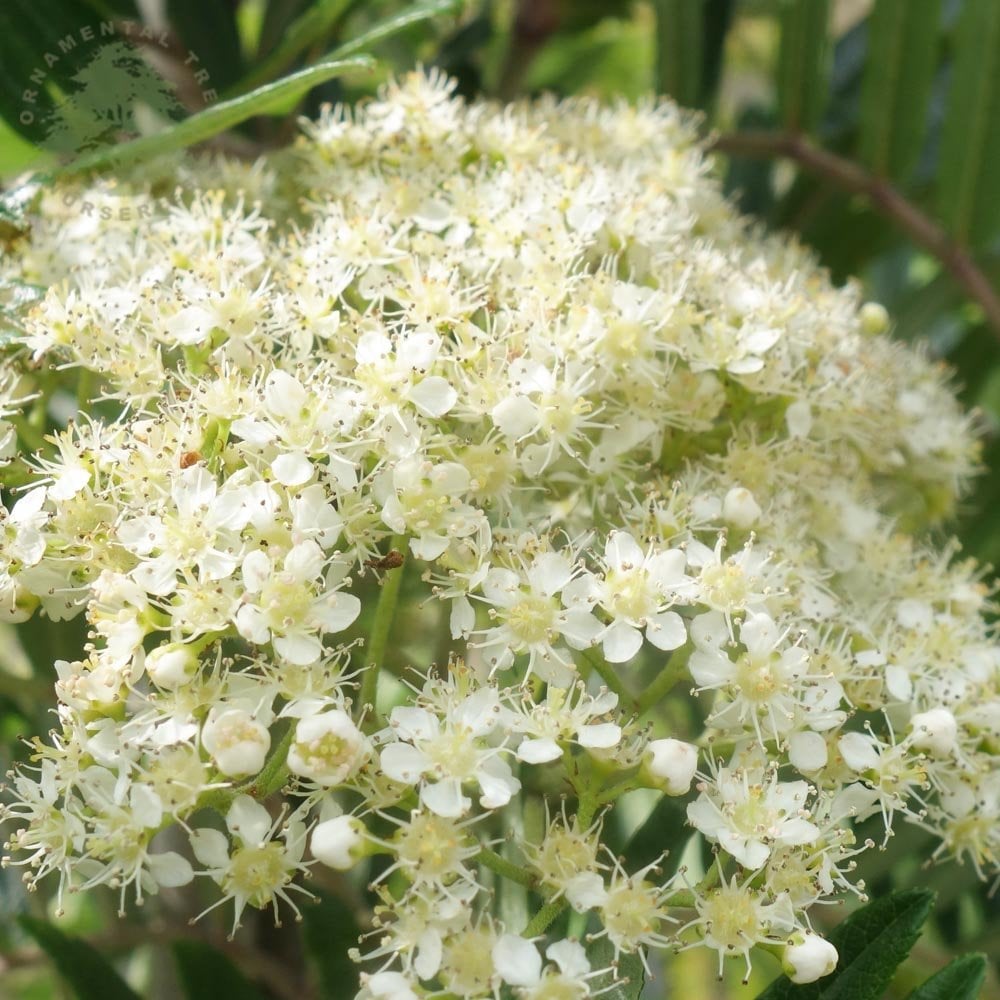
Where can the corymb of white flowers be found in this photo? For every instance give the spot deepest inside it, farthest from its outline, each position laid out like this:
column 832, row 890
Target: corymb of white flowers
column 632, row 500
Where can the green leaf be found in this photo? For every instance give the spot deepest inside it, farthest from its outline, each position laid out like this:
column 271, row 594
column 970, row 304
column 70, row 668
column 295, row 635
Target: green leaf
column 665, row 829
column 330, row 929
column 308, row 29
column 872, row 942
column 624, row 984
column 680, row 43
column 216, row 118
column 968, row 181
column 959, row 980
column 899, row 74
column 393, row 25
column 91, row 976
column 210, row 35
column 802, row 63
column 42, row 44
column 207, row 974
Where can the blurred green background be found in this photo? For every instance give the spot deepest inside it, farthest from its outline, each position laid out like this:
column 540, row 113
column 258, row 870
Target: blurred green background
column 870, row 128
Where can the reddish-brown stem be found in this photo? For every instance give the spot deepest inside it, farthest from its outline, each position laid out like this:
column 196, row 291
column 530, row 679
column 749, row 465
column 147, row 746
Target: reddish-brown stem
column 850, row 176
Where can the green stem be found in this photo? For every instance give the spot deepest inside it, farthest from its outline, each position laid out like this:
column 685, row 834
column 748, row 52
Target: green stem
column 506, row 869
column 543, row 918
column 615, row 791
column 385, row 612
column 674, row 670
column 269, row 779
column 274, row 773
column 607, row 673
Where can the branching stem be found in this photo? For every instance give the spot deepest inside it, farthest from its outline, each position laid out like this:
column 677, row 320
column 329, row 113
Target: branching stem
column 849, row 176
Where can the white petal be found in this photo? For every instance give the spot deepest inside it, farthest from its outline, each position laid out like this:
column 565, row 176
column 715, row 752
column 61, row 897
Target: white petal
column 298, row 648
column 622, row 551
column 433, row 396
column 600, row 736
column 666, row 630
column 292, row 469
column 550, row 572
column 570, row 956
column 404, row 763
column 585, row 891
column 256, row 571
column 210, row 847
column 515, row 416
column 248, row 820
column 445, row 798
column 807, row 752
column 539, row 751
column 170, row 869
column 337, row 611
column 858, row 752
column 621, row 642
column 517, row 961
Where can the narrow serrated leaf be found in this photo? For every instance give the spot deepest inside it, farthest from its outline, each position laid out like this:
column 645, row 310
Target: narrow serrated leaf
column 679, row 49
column 91, row 976
column 872, row 942
column 959, row 980
column 216, row 118
column 207, row 974
column 625, row 982
column 968, row 179
column 802, row 63
column 899, row 72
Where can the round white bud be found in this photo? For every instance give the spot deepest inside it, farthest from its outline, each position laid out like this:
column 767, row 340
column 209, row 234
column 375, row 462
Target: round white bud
column 740, row 508
column 809, row 958
column 934, row 731
column 171, row 665
column 874, row 318
column 328, row 748
column 339, row 842
column 671, row 765
column 236, row 741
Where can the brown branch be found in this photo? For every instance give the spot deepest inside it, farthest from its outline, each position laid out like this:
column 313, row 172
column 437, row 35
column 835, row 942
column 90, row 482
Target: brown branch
column 849, row 176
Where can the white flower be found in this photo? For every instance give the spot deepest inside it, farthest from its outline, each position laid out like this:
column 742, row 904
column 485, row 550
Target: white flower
column 567, row 715
column 454, row 751
column 425, row 501
column 265, row 857
column 636, row 591
column 749, row 812
column 291, row 607
column 531, row 618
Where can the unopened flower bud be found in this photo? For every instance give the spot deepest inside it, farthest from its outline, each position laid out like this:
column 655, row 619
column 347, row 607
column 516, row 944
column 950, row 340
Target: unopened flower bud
column 740, row 509
column 934, row 731
column 874, row 318
column 670, row 765
column 808, row 958
column 339, row 842
column 237, row 742
column 171, row 665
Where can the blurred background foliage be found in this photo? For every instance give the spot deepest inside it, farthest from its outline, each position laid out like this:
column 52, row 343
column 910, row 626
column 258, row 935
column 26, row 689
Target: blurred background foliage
column 869, row 128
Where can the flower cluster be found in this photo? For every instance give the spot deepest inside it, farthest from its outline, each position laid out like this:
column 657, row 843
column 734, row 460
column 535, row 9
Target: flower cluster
column 522, row 377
